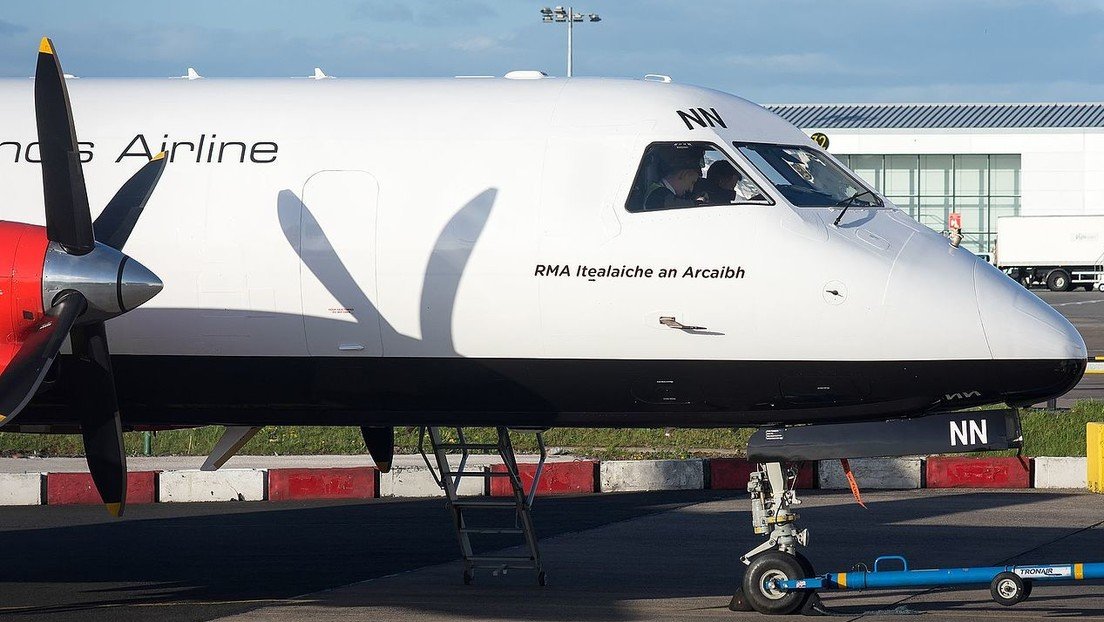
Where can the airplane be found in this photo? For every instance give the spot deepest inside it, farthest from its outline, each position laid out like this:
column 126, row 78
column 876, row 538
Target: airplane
column 523, row 252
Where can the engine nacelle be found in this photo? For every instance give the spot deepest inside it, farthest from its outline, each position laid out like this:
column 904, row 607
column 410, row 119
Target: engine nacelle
column 22, row 254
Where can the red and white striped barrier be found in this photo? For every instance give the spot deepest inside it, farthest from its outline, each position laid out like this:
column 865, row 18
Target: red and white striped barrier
column 961, row 472
column 77, row 488
column 559, row 477
column 307, row 484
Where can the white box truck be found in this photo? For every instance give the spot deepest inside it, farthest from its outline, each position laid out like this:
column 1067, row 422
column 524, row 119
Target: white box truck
column 1061, row 252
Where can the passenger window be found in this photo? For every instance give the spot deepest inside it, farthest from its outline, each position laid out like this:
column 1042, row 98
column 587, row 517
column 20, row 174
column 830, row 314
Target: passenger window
column 689, row 174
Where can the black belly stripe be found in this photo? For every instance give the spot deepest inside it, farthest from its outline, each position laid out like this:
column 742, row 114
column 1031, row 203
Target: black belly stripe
column 194, row 390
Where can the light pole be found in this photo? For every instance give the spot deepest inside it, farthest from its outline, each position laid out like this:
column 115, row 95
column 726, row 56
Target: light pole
column 560, row 14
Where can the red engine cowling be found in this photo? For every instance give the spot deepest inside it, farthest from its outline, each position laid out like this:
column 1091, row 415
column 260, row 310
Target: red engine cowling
column 22, row 253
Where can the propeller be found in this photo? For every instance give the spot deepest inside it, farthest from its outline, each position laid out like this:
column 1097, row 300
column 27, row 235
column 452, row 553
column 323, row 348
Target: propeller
column 85, row 279
column 380, row 442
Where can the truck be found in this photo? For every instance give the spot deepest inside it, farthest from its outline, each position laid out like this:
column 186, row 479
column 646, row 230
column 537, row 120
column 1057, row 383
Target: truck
column 1061, row 252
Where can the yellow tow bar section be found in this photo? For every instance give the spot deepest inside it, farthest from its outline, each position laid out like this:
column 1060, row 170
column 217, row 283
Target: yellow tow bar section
column 1095, row 451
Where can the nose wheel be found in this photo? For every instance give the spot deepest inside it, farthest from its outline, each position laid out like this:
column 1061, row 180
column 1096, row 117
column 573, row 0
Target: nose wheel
column 760, row 585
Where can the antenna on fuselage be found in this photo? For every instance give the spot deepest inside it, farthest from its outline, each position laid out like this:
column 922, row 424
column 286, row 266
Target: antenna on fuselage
column 191, row 74
column 317, row 75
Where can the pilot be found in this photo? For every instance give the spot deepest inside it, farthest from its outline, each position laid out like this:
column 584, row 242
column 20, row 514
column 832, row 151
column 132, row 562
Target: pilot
column 724, row 183
column 719, row 184
column 675, row 188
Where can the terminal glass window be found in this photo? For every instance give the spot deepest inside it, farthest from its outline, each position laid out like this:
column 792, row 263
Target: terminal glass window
column 981, row 187
column 689, row 174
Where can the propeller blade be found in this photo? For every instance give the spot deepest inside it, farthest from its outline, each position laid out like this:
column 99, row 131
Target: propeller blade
column 68, row 221
column 233, row 438
column 114, row 224
column 381, row 445
column 24, row 373
column 100, row 424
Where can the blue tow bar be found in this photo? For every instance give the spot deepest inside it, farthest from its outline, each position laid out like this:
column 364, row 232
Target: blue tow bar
column 939, row 577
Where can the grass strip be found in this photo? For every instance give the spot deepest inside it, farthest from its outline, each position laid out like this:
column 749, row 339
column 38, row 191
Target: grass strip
column 1046, row 433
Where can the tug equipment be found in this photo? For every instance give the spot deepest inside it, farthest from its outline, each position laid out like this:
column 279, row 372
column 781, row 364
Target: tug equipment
column 1007, row 584
column 776, row 566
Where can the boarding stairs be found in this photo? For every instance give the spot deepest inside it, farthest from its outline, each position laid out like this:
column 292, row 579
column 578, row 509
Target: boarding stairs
column 475, row 516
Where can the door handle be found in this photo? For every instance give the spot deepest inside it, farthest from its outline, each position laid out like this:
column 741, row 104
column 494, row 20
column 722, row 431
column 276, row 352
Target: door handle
column 671, row 322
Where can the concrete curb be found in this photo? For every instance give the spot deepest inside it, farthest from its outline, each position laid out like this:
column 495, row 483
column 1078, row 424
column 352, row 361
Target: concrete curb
column 872, row 474
column 635, row 475
column 21, row 488
column 1053, row 472
column 417, row 481
column 222, row 485
column 559, row 477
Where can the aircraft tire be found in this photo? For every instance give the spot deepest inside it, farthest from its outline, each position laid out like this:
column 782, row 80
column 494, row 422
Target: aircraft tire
column 768, row 600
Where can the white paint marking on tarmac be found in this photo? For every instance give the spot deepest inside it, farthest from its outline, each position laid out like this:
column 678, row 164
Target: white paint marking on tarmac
column 1082, row 302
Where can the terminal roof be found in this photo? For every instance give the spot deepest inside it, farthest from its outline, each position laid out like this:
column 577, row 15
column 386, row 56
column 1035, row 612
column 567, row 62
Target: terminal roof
column 941, row 116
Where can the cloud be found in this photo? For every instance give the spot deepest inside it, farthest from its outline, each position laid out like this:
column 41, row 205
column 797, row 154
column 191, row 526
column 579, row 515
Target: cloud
column 8, row 28
column 432, row 13
column 383, row 11
column 1078, row 6
column 480, row 43
column 804, row 62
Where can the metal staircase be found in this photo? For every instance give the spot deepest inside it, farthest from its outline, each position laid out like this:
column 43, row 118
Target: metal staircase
column 472, row 515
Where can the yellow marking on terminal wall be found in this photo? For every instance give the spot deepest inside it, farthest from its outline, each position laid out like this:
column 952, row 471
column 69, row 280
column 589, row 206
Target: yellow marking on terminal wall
column 1098, row 358
column 1094, row 450
column 45, row 46
column 1079, row 571
column 1094, row 371
column 841, row 579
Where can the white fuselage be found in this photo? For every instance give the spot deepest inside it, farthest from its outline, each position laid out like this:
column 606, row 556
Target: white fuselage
column 409, row 218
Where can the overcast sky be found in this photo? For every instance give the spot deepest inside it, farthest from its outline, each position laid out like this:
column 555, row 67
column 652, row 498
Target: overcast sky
column 770, row 51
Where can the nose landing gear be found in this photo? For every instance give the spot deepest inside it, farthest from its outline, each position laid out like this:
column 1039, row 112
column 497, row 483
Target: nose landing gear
column 777, row 559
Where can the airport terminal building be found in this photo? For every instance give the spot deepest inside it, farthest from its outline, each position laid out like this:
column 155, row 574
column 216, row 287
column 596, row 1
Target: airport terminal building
column 981, row 160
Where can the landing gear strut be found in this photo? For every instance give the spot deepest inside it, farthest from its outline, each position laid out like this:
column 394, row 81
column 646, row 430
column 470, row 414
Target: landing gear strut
column 772, row 495
column 777, row 559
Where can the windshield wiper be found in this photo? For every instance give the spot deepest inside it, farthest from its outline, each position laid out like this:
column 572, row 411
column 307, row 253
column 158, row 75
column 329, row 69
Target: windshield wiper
column 846, row 203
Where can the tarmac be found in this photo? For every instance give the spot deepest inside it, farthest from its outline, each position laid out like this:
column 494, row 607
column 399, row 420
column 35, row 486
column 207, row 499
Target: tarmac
column 632, row 556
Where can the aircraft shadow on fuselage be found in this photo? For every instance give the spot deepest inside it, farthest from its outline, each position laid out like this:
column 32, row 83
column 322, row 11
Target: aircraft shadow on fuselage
column 445, row 267
column 150, row 385
column 241, row 552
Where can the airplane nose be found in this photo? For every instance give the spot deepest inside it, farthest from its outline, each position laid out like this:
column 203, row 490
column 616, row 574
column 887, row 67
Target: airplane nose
column 137, row 284
column 1018, row 324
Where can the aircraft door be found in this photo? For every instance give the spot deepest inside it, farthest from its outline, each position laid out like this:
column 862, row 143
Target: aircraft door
column 338, row 275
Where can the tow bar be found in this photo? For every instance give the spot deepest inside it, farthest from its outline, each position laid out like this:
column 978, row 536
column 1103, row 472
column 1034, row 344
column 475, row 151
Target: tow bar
column 1007, row 584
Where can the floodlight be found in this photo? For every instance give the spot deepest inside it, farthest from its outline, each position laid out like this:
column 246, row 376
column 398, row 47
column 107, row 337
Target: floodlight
column 559, row 15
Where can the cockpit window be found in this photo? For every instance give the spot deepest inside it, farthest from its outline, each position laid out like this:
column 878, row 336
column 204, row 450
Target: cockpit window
column 807, row 178
column 689, row 174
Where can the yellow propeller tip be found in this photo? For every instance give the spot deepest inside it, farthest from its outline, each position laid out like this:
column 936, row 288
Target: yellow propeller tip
column 383, row 467
column 159, row 156
column 115, row 509
column 46, row 46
